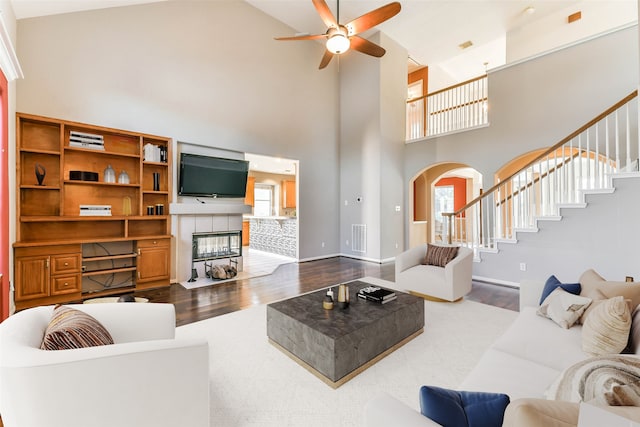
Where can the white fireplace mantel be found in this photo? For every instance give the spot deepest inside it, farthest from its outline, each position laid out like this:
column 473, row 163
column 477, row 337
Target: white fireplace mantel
column 217, row 208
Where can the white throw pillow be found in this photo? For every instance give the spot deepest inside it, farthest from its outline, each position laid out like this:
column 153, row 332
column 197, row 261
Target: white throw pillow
column 563, row 307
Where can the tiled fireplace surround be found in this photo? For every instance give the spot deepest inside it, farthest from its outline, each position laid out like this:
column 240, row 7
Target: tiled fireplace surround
column 189, row 218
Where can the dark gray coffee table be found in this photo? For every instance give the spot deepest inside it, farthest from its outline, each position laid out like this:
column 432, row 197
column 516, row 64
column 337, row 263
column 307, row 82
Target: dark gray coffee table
column 336, row 345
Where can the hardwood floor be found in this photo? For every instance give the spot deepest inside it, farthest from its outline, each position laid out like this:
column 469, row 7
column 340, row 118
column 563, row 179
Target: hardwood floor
column 292, row 279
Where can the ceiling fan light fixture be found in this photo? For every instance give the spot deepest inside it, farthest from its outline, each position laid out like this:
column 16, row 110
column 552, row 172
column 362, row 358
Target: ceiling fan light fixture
column 338, row 43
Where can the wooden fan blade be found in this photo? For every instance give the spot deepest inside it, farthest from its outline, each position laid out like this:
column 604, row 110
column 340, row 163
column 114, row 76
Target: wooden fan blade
column 307, row 37
column 325, row 13
column 373, row 18
column 365, row 46
column 326, row 58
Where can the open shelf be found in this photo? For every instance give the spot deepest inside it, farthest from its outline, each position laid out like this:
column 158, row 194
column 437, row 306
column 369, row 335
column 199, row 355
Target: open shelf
column 108, row 271
column 39, row 187
column 109, row 257
column 107, row 292
column 99, row 152
column 37, row 151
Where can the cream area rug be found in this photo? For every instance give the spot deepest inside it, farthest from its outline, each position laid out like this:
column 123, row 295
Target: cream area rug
column 254, row 384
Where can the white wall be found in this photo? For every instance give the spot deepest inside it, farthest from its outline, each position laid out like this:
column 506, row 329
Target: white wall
column 208, row 73
column 547, row 33
column 372, row 129
column 535, row 104
column 603, row 236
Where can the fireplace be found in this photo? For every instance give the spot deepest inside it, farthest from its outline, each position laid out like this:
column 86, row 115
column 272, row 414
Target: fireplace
column 216, row 245
column 213, row 246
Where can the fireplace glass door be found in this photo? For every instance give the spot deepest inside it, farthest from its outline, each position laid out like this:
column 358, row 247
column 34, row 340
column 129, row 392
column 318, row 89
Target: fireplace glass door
column 208, row 246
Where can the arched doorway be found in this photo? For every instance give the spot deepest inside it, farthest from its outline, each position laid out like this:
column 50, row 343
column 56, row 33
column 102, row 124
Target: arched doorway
column 444, row 187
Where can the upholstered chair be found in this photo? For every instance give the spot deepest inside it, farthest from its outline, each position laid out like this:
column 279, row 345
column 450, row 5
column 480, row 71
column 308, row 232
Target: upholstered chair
column 448, row 283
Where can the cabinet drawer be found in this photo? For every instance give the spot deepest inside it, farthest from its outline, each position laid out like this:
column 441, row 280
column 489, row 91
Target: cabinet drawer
column 153, row 243
column 65, row 285
column 65, row 263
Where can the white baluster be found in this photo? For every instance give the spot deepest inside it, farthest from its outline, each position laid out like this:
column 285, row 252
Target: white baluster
column 617, row 142
column 606, row 145
column 628, row 138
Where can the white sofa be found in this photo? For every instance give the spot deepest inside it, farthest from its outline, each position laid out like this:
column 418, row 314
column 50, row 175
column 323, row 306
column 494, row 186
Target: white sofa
column 522, row 363
column 448, row 283
column 147, row 378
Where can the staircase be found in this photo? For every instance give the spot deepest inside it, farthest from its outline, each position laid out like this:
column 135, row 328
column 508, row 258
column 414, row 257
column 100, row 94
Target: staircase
column 587, row 162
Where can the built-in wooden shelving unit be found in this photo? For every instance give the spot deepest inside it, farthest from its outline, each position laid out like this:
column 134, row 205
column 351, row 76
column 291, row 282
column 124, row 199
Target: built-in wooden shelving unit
column 61, row 256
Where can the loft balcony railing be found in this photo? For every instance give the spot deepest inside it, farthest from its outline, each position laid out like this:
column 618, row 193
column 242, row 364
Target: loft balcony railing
column 453, row 109
column 583, row 161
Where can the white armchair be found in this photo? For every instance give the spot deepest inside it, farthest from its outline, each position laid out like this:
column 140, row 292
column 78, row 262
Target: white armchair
column 449, row 283
column 147, row 378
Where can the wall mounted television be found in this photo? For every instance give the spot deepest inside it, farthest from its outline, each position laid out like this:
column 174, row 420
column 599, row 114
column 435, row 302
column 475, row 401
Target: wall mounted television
column 206, row 176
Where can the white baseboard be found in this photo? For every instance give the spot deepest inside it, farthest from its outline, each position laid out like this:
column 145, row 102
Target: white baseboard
column 315, row 258
column 497, row 281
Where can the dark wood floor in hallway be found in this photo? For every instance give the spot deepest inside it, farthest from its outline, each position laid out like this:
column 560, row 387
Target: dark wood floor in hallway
column 292, row 279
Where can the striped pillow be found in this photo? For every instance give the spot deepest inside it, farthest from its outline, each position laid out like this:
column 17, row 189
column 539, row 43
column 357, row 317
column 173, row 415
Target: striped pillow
column 439, row 255
column 606, row 329
column 70, row 328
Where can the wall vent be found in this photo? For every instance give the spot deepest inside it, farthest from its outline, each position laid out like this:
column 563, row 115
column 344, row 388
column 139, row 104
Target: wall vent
column 359, row 238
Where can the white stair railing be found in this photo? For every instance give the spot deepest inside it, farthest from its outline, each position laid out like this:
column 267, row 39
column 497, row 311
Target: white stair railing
column 584, row 160
column 453, row 109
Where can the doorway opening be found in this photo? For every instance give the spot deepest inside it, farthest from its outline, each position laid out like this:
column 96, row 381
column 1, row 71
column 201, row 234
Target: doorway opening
column 271, row 229
column 436, row 190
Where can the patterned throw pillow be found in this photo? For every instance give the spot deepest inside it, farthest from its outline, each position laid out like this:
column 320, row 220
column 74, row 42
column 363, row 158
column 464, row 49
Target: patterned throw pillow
column 563, row 307
column 606, row 329
column 70, row 328
column 439, row 255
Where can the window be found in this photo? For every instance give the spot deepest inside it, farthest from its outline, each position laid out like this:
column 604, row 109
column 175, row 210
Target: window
column 263, row 200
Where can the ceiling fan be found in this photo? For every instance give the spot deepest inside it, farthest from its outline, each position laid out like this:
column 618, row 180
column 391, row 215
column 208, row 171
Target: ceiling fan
column 342, row 37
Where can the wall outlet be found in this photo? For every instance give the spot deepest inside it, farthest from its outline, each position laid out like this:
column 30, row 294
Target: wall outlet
column 523, row 266
column 396, row 246
column 323, row 244
column 347, row 243
column 397, row 208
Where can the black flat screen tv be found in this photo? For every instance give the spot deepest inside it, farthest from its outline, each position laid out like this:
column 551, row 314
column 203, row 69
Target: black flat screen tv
column 205, row 176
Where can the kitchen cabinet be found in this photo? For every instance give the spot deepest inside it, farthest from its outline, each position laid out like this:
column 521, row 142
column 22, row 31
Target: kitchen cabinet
column 288, row 194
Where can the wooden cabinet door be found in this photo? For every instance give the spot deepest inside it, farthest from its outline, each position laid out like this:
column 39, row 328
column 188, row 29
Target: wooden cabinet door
column 248, row 198
column 245, row 233
column 32, row 277
column 288, row 194
column 153, row 262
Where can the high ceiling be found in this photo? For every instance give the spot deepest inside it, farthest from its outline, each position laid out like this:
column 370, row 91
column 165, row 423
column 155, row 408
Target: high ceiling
column 431, row 30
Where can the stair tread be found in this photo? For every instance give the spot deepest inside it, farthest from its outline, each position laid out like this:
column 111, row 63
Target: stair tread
column 599, row 191
column 548, row 218
column 572, row 205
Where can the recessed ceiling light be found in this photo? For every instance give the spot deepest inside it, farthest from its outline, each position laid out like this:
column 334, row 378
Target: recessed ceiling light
column 465, row 45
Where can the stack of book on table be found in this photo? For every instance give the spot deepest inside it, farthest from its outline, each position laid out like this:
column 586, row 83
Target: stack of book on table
column 377, row 294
